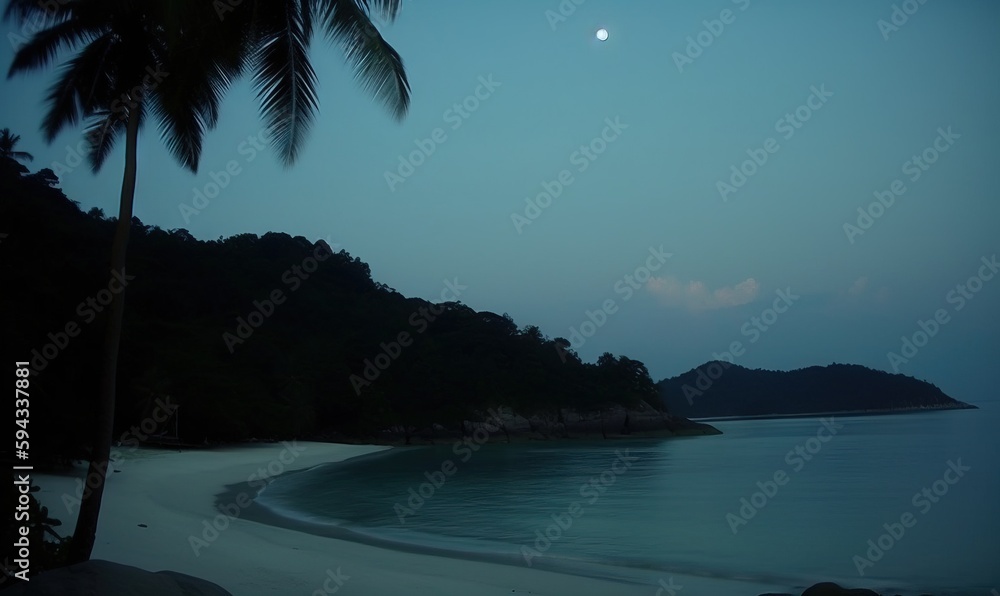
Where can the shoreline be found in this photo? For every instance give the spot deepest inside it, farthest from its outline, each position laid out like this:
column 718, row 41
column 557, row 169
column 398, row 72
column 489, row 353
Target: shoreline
column 159, row 503
column 843, row 413
column 507, row 555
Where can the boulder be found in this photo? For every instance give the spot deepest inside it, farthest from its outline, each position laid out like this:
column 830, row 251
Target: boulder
column 104, row 578
column 832, row 589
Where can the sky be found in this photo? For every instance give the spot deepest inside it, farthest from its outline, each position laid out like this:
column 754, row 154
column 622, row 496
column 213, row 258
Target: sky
column 704, row 169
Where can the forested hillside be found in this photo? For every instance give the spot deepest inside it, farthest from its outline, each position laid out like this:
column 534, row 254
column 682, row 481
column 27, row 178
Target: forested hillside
column 260, row 337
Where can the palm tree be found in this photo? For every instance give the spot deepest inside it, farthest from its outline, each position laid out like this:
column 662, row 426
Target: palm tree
column 175, row 59
column 7, row 143
column 120, row 73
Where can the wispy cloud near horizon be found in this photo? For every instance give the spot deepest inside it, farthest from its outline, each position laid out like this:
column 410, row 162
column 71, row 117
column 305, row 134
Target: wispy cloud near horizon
column 858, row 287
column 863, row 290
column 695, row 295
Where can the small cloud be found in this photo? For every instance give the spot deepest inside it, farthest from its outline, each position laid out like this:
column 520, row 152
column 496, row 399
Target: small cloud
column 861, row 291
column 858, row 287
column 695, row 295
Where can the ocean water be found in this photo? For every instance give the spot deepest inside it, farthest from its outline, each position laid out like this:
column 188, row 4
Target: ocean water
column 642, row 509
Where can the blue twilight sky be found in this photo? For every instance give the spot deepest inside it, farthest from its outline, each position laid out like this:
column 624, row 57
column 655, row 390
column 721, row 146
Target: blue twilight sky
column 688, row 114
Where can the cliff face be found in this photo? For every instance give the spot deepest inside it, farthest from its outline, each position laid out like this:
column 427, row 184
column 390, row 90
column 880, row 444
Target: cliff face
column 719, row 389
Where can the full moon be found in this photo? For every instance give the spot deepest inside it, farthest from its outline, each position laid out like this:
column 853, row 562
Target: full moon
column 602, row 34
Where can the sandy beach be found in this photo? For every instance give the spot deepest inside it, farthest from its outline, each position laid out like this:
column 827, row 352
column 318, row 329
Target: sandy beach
column 159, row 510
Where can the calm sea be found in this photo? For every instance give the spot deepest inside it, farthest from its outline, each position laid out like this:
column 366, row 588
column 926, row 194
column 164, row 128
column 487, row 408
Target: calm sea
column 787, row 502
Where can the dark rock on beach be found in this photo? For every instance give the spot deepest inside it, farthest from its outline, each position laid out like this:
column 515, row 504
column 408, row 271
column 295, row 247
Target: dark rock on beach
column 104, row 578
column 832, row 589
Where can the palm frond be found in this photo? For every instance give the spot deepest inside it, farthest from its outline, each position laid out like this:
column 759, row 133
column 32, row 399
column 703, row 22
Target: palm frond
column 8, row 140
column 73, row 91
column 34, row 10
column 101, row 136
column 377, row 66
column 386, row 10
column 285, row 80
column 43, row 47
column 187, row 105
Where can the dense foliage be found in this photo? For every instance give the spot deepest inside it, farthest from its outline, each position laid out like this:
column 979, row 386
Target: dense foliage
column 203, row 327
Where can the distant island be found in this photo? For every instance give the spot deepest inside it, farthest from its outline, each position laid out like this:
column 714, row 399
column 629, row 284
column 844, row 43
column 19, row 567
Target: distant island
column 720, row 389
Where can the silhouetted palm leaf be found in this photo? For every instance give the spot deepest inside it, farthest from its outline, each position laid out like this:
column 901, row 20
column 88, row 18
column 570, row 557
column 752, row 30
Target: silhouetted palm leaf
column 280, row 33
column 376, row 64
column 8, row 141
column 284, row 77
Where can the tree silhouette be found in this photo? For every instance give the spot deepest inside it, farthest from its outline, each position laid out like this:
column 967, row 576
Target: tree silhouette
column 120, row 72
column 174, row 59
column 7, row 143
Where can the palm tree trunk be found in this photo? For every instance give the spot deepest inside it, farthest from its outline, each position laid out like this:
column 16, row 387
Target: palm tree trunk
column 90, row 505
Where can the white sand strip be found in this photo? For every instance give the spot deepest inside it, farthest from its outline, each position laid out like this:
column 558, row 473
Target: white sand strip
column 173, row 493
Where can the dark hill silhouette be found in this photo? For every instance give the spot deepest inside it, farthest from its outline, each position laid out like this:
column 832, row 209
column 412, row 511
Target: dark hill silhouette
column 721, row 389
column 276, row 337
